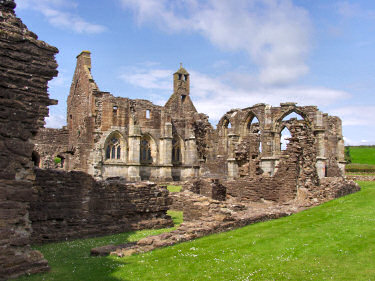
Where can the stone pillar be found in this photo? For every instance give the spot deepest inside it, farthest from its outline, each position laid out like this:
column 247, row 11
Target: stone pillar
column 231, row 161
column 268, row 165
column 166, row 153
column 321, row 166
column 134, row 151
column 191, row 152
column 321, row 160
column 232, row 168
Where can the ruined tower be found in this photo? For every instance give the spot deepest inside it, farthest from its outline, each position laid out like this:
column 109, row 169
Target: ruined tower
column 180, row 101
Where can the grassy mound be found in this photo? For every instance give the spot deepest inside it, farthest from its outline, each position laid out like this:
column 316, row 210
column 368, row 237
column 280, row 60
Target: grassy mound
column 334, row 241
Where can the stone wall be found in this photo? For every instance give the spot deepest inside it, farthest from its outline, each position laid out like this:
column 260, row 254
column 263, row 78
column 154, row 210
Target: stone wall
column 51, row 143
column 70, row 205
column 26, row 66
column 211, row 188
column 296, row 169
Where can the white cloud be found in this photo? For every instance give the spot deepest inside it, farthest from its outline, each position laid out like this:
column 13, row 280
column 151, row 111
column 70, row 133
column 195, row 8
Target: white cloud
column 357, row 115
column 348, row 9
column 356, row 143
column 58, row 13
column 274, row 33
column 148, row 78
column 55, row 121
column 60, row 81
column 214, row 96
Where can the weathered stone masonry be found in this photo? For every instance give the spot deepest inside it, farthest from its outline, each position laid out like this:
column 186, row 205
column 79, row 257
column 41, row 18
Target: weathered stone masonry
column 51, row 205
column 26, row 66
column 74, row 205
column 109, row 136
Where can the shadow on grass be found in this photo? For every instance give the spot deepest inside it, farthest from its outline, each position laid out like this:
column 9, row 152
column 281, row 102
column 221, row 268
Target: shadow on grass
column 71, row 260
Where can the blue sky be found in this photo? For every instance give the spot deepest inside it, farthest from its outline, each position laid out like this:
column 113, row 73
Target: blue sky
column 238, row 52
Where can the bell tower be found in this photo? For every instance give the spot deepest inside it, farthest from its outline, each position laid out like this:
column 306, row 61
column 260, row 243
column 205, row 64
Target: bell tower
column 180, row 102
column 181, row 82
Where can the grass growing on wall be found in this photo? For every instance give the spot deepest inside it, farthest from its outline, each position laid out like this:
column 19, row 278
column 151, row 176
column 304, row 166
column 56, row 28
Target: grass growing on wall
column 334, row 241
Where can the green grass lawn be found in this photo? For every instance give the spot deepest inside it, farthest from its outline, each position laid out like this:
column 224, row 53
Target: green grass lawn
column 334, row 241
column 362, row 154
column 362, row 158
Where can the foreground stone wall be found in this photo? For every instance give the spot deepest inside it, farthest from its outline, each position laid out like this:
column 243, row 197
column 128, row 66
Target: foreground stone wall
column 70, row 205
column 26, row 66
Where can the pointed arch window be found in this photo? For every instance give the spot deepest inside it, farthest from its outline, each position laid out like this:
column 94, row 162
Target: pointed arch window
column 113, row 149
column 145, row 151
column 253, row 125
column 176, row 150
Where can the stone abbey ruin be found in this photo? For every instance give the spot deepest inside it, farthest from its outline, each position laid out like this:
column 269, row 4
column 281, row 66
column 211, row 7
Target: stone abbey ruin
column 113, row 147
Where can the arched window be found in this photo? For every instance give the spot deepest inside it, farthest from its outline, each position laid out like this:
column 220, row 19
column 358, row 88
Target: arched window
column 176, row 150
column 226, row 125
column 145, row 151
column 113, row 149
column 284, row 138
column 253, row 126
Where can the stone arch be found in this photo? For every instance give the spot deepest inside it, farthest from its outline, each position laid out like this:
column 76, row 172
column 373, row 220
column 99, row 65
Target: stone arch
column 248, row 121
column 278, row 121
column 224, row 128
column 148, row 149
column 178, row 149
column 279, row 125
column 115, row 147
column 224, row 125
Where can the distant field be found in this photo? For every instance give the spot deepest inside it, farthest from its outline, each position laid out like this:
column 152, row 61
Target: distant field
column 334, row 241
column 362, row 154
column 362, row 159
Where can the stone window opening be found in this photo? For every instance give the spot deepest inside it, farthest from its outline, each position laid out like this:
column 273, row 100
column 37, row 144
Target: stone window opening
column 62, row 161
column 176, row 151
column 183, row 97
column 147, row 114
column 284, row 138
column 145, row 151
column 35, row 158
column 253, row 126
column 113, row 149
column 185, row 77
column 115, row 109
column 179, row 76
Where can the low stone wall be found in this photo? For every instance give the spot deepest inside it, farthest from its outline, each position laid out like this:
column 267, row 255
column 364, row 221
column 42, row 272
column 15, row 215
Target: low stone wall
column 16, row 256
column 211, row 188
column 202, row 216
column 267, row 188
column 70, row 205
column 361, row 178
column 329, row 189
